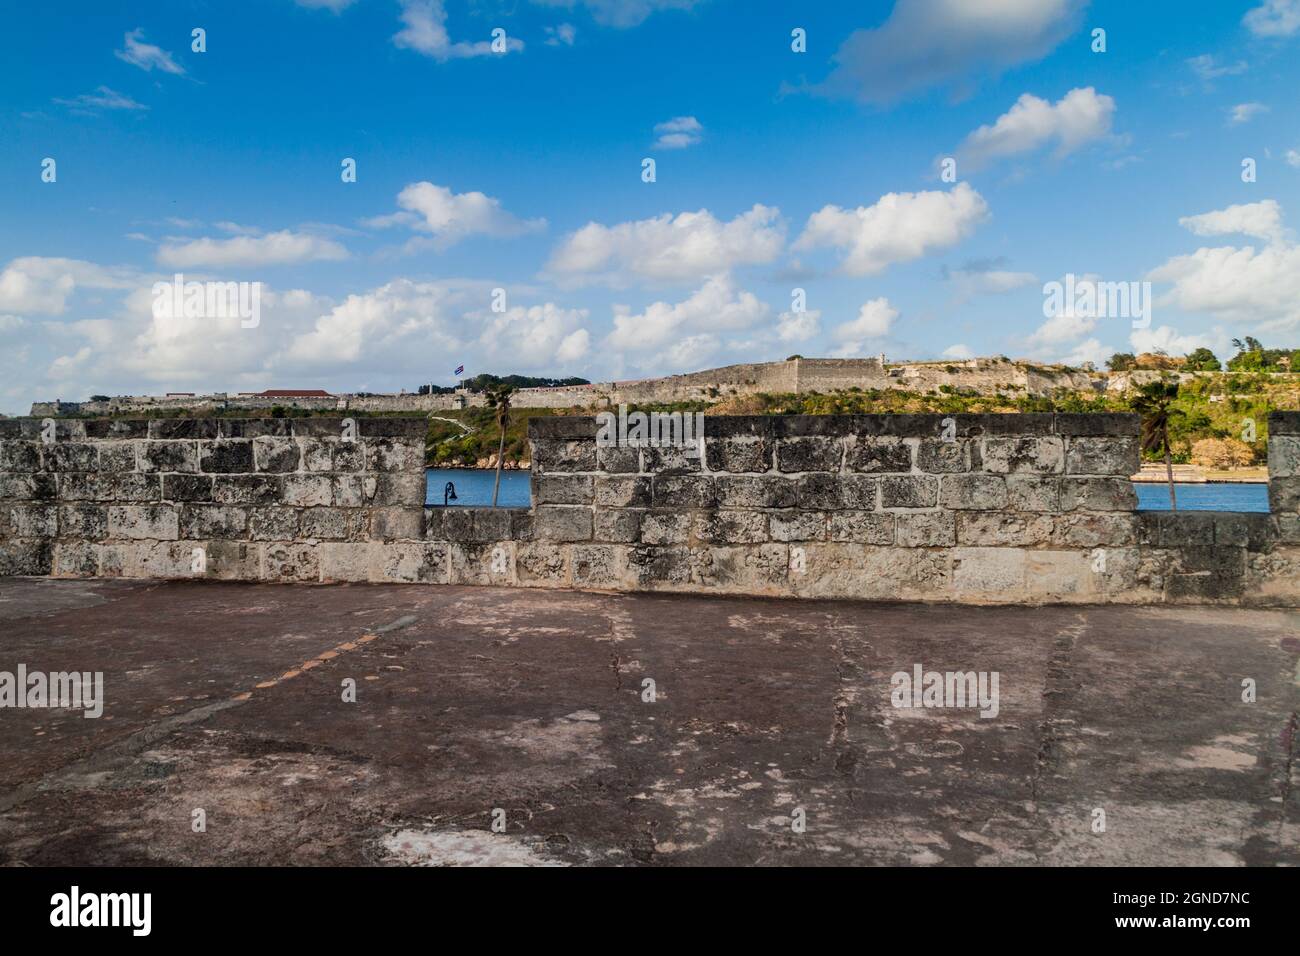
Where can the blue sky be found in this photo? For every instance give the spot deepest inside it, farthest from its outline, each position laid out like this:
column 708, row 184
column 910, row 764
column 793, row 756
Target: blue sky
column 521, row 170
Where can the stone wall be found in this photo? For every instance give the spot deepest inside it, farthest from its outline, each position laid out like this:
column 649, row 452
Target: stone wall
column 257, row 499
column 967, row 509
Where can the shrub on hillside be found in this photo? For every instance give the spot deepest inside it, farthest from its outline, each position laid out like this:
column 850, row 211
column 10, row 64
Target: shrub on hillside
column 1222, row 453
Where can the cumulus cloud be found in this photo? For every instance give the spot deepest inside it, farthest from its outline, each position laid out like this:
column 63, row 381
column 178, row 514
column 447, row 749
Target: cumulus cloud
column 678, row 133
column 899, row 227
column 1081, row 116
column 621, row 13
column 425, row 31
column 537, row 336
column 104, row 98
column 1208, row 69
column 449, row 217
column 1170, row 341
column 958, row 351
column 43, row 286
column 1258, row 288
column 1245, row 112
column 1262, row 220
column 688, row 246
column 987, row 277
column 1274, row 18
column 145, row 55
column 875, row 320
column 927, row 43
column 561, row 35
column 798, row 326
column 717, row 306
column 271, row 249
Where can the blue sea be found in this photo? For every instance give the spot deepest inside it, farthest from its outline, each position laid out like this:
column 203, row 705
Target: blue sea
column 1211, row 496
column 474, row 489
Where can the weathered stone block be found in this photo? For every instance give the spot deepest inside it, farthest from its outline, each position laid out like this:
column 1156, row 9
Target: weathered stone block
column 75, row 559
column 539, row 564
column 671, row 460
column 988, row 573
column 564, row 489
column 492, row 524
column 828, row 492
column 659, row 527
column 120, row 456
column 653, row 566
column 683, row 491
column 745, row 453
column 1032, row 493
column 909, row 491
column 1097, row 494
column 756, row 491
column 400, row 489
column 1003, row 530
column 1085, row 529
column 598, row 565
column 1103, row 456
column 273, row 524
column 564, row 454
column 291, row 562
column 25, row 557
column 177, row 428
column 69, row 456
column 878, row 454
column 253, row 427
column 16, row 455
column 177, row 487
column 863, row 527
column 797, row 525
column 618, row 526
column 1283, row 495
column 308, row 491
column 246, row 489
column 325, row 524
column 143, row 522
column 973, row 493
column 349, row 456
column 731, row 527
column 621, row 459
column 391, row 454
column 15, row 487
column 276, row 455
column 125, row 487
column 34, row 521
column 355, row 561
column 928, row 529
column 117, row 429
column 316, row 454
column 1005, row 456
column 813, row 453
column 622, row 491
column 936, row 456
column 562, row 523
column 204, row 522
column 1283, row 456
column 226, row 457
column 168, row 456
column 83, row 522
column 394, row 524
column 416, row 563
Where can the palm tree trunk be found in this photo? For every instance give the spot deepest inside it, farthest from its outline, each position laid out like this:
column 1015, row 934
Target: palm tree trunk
column 501, row 450
column 1169, row 472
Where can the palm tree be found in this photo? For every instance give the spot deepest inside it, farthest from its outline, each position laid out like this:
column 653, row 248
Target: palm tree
column 498, row 397
column 1154, row 402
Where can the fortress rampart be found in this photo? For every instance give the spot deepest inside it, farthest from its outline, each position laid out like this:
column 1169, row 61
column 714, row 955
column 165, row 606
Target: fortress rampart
column 973, row 509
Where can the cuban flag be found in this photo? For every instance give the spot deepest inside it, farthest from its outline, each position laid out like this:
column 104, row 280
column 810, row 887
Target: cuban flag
column 460, row 369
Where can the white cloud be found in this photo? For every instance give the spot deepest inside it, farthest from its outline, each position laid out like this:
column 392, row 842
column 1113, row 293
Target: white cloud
column 678, row 133
column 1274, row 18
column 958, row 351
column 798, row 326
column 1079, row 117
column 1208, row 68
column 1258, row 288
column 450, row 217
column 104, row 98
column 145, row 55
column 874, row 321
column 272, row 249
column 1065, row 326
column 1293, row 157
column 926, row 43
column 561, row 35
column 717, row 306
column 984, row 278
column 1263, row 220
column 425, row 31
column 531, row 337
column 898, row 228
column 40, row 285
column 621, row 13
column 688, row 246
column 1245, row 112
column 1170, row 341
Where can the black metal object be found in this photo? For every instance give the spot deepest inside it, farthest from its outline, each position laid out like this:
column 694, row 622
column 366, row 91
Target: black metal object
column 448, row 494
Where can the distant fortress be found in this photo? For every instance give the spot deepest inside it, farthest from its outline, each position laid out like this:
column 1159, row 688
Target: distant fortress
column 795, row 375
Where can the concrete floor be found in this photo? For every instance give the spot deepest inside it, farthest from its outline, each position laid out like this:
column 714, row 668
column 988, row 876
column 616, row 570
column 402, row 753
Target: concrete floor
column 472, row 699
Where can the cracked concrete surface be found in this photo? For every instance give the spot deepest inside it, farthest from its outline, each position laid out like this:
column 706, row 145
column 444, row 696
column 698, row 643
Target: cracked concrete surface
column 228, row 697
